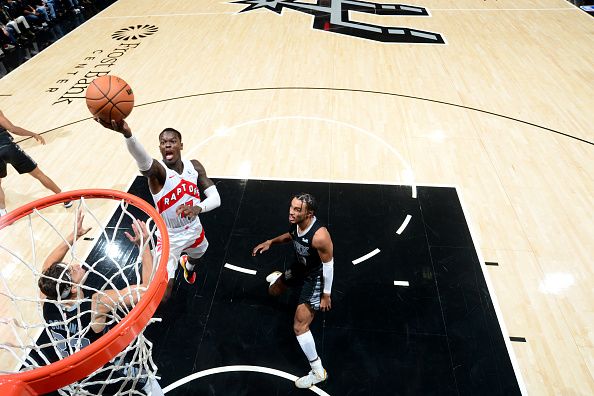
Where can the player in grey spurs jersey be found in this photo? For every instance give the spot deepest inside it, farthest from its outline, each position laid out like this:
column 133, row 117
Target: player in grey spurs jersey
column 311, row 273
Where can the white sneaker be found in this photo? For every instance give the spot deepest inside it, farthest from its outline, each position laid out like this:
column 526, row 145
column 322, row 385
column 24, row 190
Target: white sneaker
column 310, row 380
column 271, row 278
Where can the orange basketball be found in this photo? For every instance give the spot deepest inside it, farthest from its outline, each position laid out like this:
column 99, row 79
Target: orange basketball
column 110, row 98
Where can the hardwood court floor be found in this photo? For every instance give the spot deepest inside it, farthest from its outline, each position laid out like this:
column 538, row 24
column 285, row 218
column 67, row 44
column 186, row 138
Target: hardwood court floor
column 502, row 112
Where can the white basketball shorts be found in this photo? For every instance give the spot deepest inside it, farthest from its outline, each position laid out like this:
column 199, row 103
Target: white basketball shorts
column 189, row 239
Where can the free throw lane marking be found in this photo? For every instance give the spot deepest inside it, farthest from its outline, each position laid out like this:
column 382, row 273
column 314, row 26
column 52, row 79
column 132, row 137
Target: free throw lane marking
column 240, row 269
column 404, row 224
column 368, row 255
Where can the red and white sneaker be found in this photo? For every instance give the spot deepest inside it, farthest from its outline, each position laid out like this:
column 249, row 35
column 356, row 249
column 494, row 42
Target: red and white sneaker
column 189, row 275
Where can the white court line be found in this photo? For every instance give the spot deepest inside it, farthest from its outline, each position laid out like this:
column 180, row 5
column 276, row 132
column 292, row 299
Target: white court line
column 240, row 269
column 368, row 255
column 491, row 289
column 401, row 283
column 337, row 181
column 404, row 224
column 231, row 369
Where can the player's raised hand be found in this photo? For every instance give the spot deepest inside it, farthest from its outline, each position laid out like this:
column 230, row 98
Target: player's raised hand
column 261, row 248
column 140, row 233
column 118, row 126
column 80, row 229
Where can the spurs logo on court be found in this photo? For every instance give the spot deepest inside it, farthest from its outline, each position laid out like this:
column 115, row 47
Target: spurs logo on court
column 333, row 16
column 134, row 32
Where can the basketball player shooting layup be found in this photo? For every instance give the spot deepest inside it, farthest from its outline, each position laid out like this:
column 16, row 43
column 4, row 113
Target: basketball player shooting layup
column 174, row 182
column 312, row 273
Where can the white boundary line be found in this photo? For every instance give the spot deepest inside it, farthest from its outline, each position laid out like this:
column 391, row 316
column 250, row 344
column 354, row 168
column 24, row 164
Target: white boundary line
column 240, row 269
column 232, row 369
column 339, row 181
column 404, row 224
column 510, row 350
column 365, row 257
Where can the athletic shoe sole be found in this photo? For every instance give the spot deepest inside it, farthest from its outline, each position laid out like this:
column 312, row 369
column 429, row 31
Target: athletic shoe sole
column 190, row 278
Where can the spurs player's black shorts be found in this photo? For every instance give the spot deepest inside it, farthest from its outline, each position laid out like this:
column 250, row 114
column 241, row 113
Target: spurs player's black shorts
column 310, row 284
column 11, row 153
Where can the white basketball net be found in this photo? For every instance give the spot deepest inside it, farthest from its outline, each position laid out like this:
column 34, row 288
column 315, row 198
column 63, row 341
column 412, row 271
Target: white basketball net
column 24, row 246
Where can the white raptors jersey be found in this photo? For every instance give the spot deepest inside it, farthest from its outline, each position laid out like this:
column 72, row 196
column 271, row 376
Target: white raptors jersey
column 179, row 189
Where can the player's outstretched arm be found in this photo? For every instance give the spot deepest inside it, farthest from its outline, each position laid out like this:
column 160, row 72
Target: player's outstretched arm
column 264, row 246
column 147, row 165
column 323, row 244
column 107, row 301
column 140, row 239
column 212, row 200
column 9, row 126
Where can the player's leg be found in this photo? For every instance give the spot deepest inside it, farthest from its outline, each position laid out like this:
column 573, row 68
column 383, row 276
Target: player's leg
column 309, row 302
column 4, row 158
column 193, row 252
column 3, row 173
column 3, row 210
column 45, row 180
column 174, row 252
column 48, row 183
column 171, row 267
column 168, row 290
column 303, row 317
column 21, row 161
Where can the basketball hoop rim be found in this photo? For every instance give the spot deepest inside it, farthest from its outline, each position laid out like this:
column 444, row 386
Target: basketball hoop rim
column 80, row 364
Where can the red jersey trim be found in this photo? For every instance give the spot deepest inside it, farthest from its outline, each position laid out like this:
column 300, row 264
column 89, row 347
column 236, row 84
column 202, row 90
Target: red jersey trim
column 183, row 188
column 196, row 243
